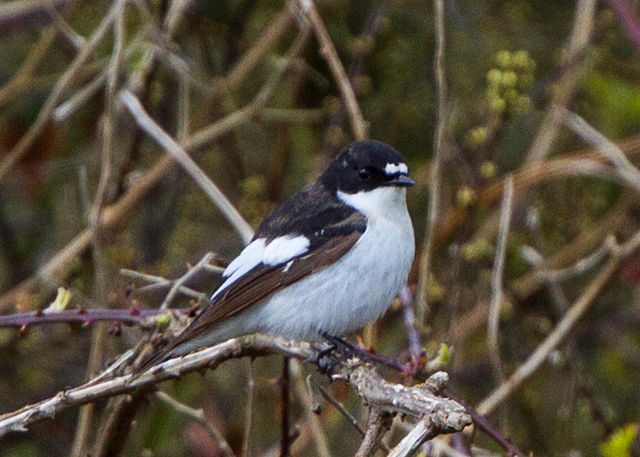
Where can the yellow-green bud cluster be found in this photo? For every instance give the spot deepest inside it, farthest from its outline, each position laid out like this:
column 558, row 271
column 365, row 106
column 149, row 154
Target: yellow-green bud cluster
column 476, row 137
column 466, row 196
column 476, row 250
column 508, row 82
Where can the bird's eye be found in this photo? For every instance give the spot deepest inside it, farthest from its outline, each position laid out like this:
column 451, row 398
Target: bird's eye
column 364, row 174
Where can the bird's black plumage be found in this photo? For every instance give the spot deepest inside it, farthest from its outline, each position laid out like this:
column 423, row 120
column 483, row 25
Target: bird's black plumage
column 316, row 212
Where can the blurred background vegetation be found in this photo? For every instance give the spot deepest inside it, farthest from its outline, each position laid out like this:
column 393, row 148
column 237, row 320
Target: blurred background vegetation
column 505, row 61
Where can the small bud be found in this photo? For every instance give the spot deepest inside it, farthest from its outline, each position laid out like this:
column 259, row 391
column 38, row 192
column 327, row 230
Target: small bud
column 162, row 321
column 509, row 78
column 494, row 77
column 488, row 169
column 522, row 104
column 522, row 61
column 61, row 301
column 466, row 195
column 497, row 104
column 476, row 136
column 435, row 292
column 504, row 59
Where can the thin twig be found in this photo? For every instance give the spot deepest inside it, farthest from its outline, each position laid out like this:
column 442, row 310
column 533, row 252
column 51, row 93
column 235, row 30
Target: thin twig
column 304, row 396
column 328, row 51
column 493, row 322
column 378, row 424
column 184, row 278
column 20, row 80
column 248, row 419
column 133, row 316
column 628, row 17
column 409, row 322
column 160, row 283
column 627, row 171
column 183, row 158
column 413, row 440
column 16, row 9
column 566, row 324
column 65, row 29
column 436, row 165
column 340, row 407
column 285, row 393
column 199, row 417
column 63, row 82
column 565, row 88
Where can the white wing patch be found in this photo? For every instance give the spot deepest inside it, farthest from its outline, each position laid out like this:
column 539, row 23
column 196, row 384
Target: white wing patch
column 278, row 251
column 284, row 248
column 393, row 168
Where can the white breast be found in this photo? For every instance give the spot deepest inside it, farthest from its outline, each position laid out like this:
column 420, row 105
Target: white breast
column 341, row 298
column 356, row 289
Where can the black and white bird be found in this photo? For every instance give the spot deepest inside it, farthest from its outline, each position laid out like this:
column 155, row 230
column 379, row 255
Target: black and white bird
column 327, row 261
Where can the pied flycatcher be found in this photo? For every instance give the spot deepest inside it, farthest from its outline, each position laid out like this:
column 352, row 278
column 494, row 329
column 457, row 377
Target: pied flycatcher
column 328, row 260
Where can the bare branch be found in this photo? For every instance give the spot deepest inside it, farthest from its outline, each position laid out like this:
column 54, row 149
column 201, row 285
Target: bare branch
column 63, row 82
column 304, row 396
column 328, row 51
column 436, row 164
column 565, row 88
column 377, row 425
column 423, row 431
column 199, row 417
column 133, row 316
column 496, row 280
column 577, row 310
column 627, row 171
column 180, row 155
column 443, row 414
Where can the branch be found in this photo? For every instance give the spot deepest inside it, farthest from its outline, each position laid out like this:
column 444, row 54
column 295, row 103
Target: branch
column 565, row 88
column 62, row 84
column 132, row 316
column 581, row 305
column 180, row 155
column 114, row 215
column 443, row 414
column 423, row 431
column 497, row 294
column 435, row 178
column 378, row 424
column 328, row 51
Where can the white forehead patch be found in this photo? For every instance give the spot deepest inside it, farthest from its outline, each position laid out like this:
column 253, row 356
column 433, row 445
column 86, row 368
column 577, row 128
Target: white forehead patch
column 393, row 168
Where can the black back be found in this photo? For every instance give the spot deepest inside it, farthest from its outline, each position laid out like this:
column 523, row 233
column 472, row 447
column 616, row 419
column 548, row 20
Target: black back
column 316, row 212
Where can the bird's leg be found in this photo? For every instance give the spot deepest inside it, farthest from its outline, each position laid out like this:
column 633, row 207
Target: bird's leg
column 350, row 350
column 345, row 347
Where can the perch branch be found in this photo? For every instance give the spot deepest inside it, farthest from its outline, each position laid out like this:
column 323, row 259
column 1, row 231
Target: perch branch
column 443, row 415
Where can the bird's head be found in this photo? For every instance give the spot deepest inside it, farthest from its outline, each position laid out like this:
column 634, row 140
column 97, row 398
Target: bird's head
column 370, row 176
column 366, row 165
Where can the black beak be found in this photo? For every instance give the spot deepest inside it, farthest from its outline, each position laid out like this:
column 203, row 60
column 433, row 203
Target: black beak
column 400, row 181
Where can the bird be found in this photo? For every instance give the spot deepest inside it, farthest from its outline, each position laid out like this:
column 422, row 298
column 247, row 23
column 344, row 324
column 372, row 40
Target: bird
column 328, row 260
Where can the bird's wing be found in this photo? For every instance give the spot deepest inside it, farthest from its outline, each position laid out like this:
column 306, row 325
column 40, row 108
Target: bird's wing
column 264, row 280
column 308, row 239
